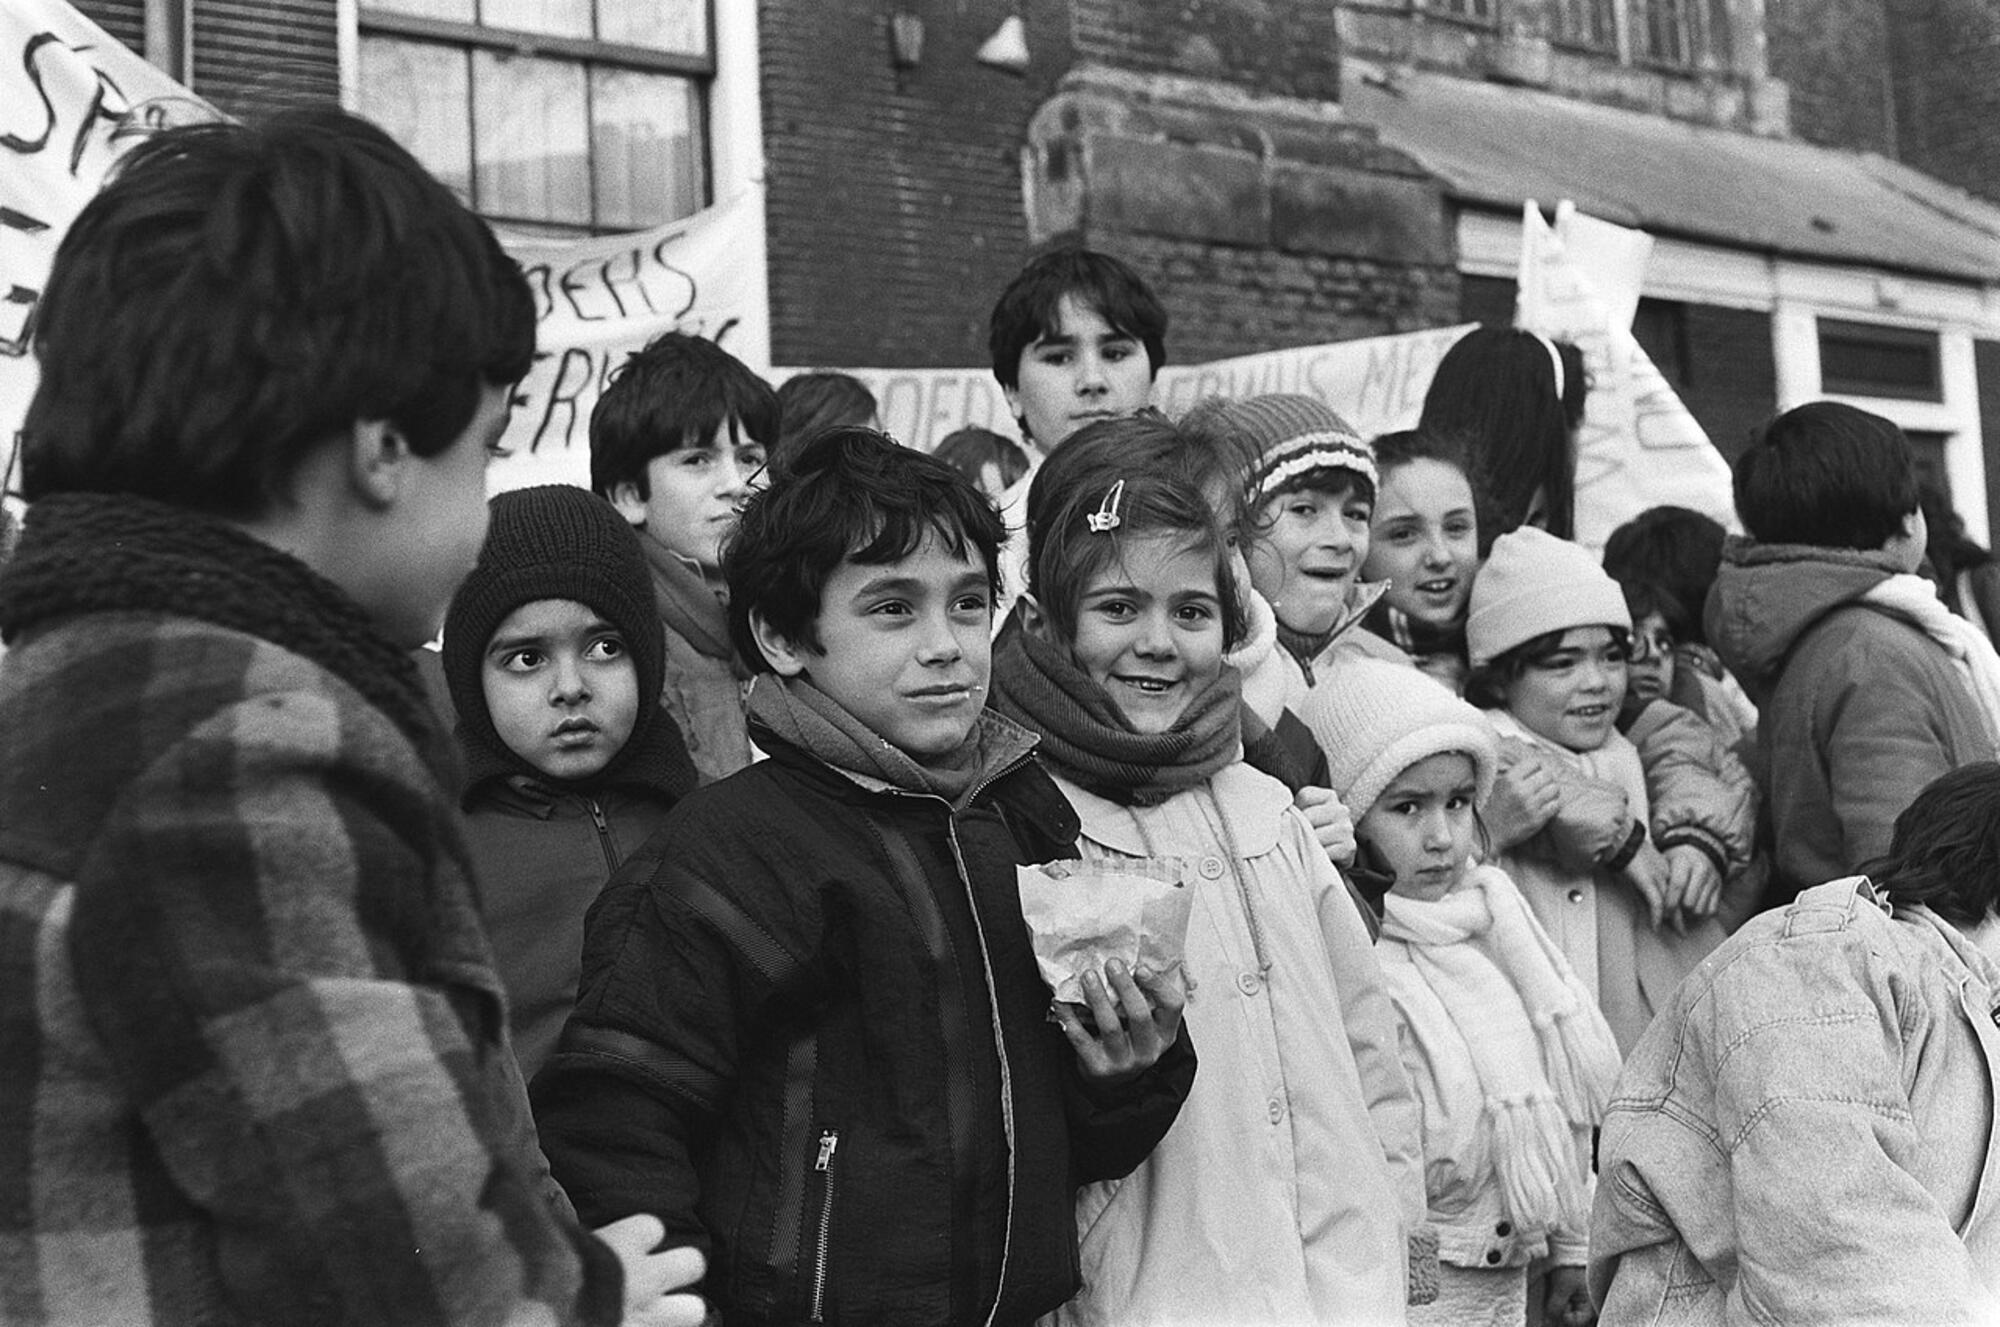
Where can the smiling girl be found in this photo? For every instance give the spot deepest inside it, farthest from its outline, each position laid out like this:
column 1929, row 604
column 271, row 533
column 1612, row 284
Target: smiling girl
column 1549, row 638
column 1423, row 544
column 1290, row 1187
column 1507, row 1051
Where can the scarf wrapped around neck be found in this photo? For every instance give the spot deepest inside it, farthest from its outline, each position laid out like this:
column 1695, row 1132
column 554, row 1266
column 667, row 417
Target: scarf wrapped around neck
column 689, row 605
column 116, row 552
column 798, row 713
column 1543, row 1054
column 1086, row 737
column 1419, row 639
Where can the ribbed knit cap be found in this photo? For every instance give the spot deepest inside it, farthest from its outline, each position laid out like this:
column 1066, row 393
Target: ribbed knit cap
column 1290, row 437
column 1534, row 583
column 556, row 541
column 1376, row 719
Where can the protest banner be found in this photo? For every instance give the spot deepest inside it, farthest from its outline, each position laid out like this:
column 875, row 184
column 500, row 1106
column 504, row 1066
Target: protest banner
column 1639, row 446
column 72, row 101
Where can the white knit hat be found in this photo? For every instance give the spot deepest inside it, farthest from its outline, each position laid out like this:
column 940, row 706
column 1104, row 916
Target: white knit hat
column 1375, row 719
column 1534, row 583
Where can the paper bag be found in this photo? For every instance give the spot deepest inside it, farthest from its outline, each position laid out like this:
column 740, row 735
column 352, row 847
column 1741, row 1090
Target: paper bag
column 1082, row 915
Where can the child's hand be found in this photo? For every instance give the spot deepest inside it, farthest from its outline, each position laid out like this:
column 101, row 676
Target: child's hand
column 1128, row 1033
column 1649, row 874
column 1332, row 822
column 1525, row 798
column 652, row 1278
column 1695, row 881
column 1568, row 1303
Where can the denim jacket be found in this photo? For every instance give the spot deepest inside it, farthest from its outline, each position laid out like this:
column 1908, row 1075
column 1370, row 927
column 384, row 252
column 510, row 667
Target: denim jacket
column 1805, row 1135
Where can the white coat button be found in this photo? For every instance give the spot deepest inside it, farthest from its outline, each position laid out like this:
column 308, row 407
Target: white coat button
column 1576, row 896
column 1210, row 868
column 1277, row 1110
column 1249, row 983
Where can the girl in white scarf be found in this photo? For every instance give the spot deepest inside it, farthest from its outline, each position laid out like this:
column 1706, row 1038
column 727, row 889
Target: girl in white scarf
column 1504, row 1044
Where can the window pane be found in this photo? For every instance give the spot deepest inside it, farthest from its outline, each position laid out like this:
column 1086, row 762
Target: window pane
column 417, row 93
column 680, row 26
column 647, row 139
column 451, row 11
column 558, row 18
column 533, row 137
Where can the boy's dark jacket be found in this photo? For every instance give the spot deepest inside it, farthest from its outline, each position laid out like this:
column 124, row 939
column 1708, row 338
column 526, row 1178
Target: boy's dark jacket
column 811, row 1037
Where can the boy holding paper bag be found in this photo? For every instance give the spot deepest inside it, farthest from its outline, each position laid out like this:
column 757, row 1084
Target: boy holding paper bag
column 810, row 1032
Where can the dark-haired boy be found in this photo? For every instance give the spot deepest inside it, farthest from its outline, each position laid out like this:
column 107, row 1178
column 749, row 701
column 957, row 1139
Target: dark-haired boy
column 1819, row 613
column 811, row 1031
column 677, row 442
column 256, row 1061
column 1076, row 336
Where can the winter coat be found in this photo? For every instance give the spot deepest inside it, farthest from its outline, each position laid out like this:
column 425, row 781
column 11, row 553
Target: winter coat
column 1594, row 914
column 705, row 687
column 1806, row 1135
column 1700, row 796
column 543, row 853
column 812, row 1037
column 1858, row 709
column 1288, row 1188
column 256, row 1055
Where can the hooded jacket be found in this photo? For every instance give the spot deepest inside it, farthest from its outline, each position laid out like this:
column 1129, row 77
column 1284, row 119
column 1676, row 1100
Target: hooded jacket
column 1858, row 708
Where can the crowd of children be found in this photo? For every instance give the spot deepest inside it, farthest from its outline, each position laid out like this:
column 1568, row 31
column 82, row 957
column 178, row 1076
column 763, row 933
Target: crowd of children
column 1563, row 934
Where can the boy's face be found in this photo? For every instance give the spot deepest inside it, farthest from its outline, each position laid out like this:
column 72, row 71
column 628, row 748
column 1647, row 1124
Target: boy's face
column 693, row 494
column 1650, row 671
column 561, row 687
column 1308, row 549
column 430, row 538
column 1082, row 372
column 905, row 646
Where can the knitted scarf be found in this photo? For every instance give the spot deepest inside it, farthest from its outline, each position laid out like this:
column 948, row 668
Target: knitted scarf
column 798, row 713
column 1307, row 647
column 1088, row 740
column 1915, row 599
column 114, row 552
column 1544, row 1056
column 688, row 604
column 1419, row 639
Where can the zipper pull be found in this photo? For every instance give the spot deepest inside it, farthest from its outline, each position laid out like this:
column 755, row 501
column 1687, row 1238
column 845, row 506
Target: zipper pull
column 828, row 1141
column 597, row 814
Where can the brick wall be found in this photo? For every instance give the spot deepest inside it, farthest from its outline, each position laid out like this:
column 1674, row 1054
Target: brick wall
column 1287, row 49
column 893, row 197
column 1946, row 58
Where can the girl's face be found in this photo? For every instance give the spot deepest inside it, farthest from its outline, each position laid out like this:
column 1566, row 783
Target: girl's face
column 1650, row 671
column 1422, row 825
column 1424, row 541
column 1308, row 550
column 1149, row 628
column 1572, row 697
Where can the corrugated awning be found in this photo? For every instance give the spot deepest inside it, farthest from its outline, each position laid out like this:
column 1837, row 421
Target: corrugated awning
column 1496, row 146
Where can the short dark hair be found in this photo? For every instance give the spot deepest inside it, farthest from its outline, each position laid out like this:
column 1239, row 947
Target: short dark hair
column 1497, row 386
column 1828, row 475
column 1029, row 307
column 968, row 449
column 1449, row 447
column 810, row 403
column 1644, row 598
column 1945, row 849
column 1486, row 686
column 1676, row 549
column 240, row 293
column 850, row 494
column 679, row 390
column 1162, row 493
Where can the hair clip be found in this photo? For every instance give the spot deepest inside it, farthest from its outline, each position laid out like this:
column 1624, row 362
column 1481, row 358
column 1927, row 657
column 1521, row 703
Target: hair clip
column 1106, row 516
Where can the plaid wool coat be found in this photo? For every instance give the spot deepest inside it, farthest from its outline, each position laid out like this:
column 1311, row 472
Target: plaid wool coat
column 253, row 1061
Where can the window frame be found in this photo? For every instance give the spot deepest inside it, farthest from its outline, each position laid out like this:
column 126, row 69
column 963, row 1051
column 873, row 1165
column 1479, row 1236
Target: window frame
column 1855, row 332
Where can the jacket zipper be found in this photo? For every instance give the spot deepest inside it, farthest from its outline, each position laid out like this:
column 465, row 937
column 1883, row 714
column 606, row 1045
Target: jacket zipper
column 603, row 835
column 829, row 1143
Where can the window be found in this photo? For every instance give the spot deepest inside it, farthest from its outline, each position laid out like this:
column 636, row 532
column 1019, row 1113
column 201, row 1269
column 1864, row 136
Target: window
column 563, row 116
column 1587, row 23
column 1863, row 359
column 1477, row 11
column 1686, row 34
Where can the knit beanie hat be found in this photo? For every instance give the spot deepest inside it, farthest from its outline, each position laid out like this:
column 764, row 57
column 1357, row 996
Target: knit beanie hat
column 1290, row 437
column 1534, row 583
column 1376, row 719
column 556, row 541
